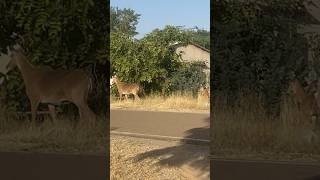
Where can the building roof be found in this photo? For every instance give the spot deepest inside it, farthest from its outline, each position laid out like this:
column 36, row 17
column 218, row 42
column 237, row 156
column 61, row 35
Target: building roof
column 203, row 48
column 176, row 44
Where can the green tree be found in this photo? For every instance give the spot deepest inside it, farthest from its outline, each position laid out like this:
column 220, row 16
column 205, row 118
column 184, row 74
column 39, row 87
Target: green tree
column 150, row 61
column 256, row 45
column 123, row 21
column 201, row 37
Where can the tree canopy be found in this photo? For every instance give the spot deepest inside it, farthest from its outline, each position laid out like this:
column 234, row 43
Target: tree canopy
column 151, row 60
column 256, row 46
column 124, row 21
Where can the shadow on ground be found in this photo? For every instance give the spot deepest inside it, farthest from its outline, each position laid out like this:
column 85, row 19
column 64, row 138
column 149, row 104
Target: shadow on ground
column 195, row 156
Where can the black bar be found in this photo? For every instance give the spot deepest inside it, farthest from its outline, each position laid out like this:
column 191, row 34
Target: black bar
column 41, row 166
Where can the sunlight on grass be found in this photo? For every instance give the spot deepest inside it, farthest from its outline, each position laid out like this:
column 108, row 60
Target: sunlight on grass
column 61, row 136
column 176, row 102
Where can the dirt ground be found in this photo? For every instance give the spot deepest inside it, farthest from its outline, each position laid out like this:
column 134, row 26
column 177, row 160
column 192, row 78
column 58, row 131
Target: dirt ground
column 138, row 158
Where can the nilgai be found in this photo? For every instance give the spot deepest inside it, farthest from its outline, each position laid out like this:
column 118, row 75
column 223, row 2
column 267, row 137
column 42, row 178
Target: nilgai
column 126, row 88
column 45, row 85
column 305, row 101
column 307, row 105
column 204, row 95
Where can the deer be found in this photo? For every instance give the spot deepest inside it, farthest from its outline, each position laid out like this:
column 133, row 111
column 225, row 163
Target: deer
column 52, row 86
column 126, row 88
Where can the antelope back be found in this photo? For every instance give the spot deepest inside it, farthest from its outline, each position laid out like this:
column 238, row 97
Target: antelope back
column 305, row 98
column 203, row 93
column 126, row 88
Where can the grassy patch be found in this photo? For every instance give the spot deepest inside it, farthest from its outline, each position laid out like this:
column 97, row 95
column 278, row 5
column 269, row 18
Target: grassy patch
column 244, row 130
column 175, row 102
column 62, row 136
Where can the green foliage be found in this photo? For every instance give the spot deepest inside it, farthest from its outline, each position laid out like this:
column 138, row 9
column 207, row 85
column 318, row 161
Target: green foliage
column 124, row 21
column 201, row 37
column 61, row 34
column 256, row 46
column 149, row 61
column 168, row 35
column 188, row 78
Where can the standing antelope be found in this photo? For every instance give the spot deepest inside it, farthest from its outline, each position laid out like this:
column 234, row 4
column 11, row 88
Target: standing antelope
column 305, row 101
column 306, row 104
column 204, row 95
column 127, row 89
column 204, row 92
column 45, row 85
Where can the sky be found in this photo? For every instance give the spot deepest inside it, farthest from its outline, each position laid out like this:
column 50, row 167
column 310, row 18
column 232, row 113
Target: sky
column 159, row 13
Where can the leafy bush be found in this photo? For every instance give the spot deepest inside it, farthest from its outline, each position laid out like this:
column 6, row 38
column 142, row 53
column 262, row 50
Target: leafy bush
column 257, row 45
column 188, row 78
column 149, row 61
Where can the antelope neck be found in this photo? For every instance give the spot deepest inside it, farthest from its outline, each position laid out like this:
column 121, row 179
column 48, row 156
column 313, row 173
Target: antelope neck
column 25, row 68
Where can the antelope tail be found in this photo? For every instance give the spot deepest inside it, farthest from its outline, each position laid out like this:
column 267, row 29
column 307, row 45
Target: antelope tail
column 142, row 90
column 89, row 88
column 90, row 85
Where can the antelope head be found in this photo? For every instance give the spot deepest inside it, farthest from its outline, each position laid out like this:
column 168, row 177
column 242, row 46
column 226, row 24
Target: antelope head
column 293, row 86
column 113, row 79
column 14, row 57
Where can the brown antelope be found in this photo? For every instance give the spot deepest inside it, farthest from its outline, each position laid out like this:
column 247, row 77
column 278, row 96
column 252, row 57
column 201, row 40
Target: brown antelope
column 127, row 89
column 204, row 95
column 45, row 85
column 204, row 92
column 305, row 100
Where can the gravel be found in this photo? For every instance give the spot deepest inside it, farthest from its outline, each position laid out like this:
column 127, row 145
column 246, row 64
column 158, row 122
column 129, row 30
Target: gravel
column 137, row 158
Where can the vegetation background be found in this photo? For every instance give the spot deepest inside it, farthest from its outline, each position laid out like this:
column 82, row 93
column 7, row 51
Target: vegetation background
column 151, row 60
column 257, row 47
column 60, row 34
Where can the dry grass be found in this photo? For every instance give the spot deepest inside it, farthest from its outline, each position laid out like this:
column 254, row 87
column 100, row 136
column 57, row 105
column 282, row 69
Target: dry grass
column 246, row 131
column 176, row 102
column 62, row 136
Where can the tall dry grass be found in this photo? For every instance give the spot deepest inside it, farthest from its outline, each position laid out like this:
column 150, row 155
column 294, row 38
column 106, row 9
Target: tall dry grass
column 245, row 130
column 180, row 102
column 65, row 135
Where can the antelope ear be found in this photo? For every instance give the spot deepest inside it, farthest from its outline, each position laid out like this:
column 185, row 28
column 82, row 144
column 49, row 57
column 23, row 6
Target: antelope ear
column 291, row 75
column 308, row 80
column 18, row 47
column 11, row 48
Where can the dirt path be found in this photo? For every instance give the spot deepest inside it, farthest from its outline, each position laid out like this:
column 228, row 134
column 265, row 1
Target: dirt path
column 137, row 158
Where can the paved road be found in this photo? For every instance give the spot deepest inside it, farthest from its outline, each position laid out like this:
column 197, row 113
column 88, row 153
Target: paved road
column 263, row 170
column 161, row 125
column 41, row 166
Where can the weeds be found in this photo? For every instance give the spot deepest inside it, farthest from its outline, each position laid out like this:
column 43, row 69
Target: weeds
column 245, row 129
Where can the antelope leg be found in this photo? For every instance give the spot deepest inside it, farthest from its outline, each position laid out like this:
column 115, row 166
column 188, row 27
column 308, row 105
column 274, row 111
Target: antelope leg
column 52, row 111
column 34, row 107
column 136, row 97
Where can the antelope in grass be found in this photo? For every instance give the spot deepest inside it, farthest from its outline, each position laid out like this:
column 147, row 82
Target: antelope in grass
column 204, row 94
column 305, row 101
column 46, row 85
column 127, row 89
